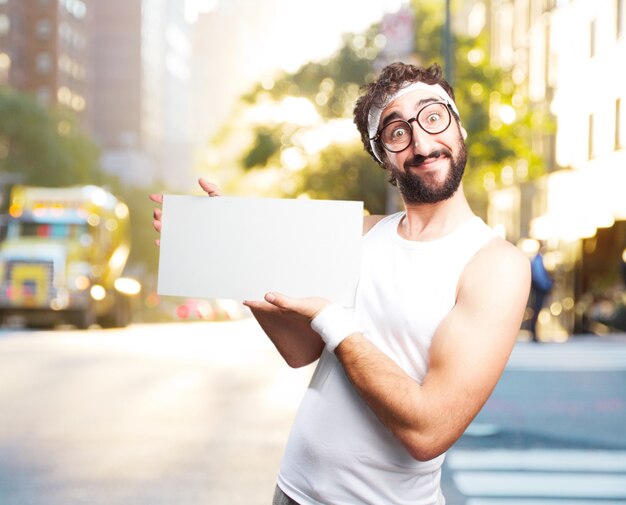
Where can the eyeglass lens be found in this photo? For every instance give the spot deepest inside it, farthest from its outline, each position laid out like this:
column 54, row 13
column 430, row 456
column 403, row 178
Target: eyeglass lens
column 433, row 119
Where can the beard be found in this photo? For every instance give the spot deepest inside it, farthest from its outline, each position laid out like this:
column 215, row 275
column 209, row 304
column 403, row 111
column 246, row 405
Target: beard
column 415, row 189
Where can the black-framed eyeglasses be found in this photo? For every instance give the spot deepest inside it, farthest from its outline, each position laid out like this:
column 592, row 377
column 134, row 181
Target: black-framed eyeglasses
column 397, row 135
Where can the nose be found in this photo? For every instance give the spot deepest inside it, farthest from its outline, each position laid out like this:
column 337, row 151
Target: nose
column 421, row 141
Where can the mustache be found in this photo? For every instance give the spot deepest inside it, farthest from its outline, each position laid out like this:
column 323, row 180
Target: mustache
column 418, row 159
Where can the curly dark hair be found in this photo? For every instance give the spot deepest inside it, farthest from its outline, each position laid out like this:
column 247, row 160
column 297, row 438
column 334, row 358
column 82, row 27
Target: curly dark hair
column 393, row 77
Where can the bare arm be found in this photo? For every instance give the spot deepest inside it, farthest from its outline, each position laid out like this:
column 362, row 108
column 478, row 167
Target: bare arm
column 468, row 354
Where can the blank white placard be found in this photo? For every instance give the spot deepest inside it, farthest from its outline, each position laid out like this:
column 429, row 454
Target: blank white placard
column 242, row 248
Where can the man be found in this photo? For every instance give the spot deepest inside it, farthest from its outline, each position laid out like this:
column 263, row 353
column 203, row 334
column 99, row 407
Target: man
column 541, row 285
column 437, row 311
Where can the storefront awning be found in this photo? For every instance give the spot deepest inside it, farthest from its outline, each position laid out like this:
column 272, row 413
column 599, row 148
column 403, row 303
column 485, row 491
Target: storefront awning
column 581, row 201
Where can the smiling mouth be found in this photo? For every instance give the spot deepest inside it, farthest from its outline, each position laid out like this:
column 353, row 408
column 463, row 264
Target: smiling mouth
column 434, row 159
column 425, row 161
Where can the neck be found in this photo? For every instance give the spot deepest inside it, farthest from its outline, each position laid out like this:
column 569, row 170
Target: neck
column 425, row 222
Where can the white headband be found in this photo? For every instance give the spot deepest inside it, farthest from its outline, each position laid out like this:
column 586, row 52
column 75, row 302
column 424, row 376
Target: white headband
column 373, row 117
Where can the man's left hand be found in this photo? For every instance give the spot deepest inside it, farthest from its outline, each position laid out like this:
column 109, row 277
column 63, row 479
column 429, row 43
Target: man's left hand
column 300, row 308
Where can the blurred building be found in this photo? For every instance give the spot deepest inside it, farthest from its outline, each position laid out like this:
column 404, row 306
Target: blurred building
column 123, row 66
column 141, row 82
column 218, row 78
column 567, row 58
column 45, row 50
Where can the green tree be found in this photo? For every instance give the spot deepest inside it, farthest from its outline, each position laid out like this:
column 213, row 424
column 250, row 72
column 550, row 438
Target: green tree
column 44, row 146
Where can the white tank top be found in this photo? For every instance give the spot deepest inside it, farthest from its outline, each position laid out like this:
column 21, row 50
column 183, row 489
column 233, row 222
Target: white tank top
column 338, row 452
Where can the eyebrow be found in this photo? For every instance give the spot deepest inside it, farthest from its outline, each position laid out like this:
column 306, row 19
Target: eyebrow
column 396, row 115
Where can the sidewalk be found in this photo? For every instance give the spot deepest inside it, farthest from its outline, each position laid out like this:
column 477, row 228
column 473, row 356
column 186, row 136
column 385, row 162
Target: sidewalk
column 578, row 353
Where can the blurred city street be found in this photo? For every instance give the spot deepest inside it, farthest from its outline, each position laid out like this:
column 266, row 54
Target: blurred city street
column 110, row 107
column 553, row 432
column 156, row 414
column 199, row 413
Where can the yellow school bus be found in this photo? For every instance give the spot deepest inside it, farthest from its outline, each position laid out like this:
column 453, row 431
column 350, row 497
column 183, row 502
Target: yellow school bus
column 63, row 257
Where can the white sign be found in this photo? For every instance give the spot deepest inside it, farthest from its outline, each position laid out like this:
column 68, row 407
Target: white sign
column 242, row 248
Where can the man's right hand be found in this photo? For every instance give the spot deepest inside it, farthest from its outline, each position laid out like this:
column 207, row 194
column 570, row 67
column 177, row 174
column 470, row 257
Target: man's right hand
column 208, row 187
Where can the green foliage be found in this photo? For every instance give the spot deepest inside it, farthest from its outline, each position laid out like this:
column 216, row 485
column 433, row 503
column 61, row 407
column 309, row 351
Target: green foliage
column 45, row 147
column 266, row 145
column 428, row 18
column 343, row 172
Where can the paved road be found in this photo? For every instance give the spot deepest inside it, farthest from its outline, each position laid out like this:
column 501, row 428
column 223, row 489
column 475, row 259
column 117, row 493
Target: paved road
column 553, row 432
column 173, row 414
column 196, row 414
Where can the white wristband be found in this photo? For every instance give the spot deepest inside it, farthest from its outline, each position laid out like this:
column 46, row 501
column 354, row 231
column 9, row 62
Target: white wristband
column 334, row 324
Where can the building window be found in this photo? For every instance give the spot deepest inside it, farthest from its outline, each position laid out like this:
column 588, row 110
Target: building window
column 43, row 63
column 5, row 24
column 44, row 29
column 592, row 39
column 590, row 138
column 618, row 124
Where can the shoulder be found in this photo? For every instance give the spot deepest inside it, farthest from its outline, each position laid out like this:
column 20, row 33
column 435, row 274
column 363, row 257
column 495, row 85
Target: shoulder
column 498, row 264
column 370, row 221
column 498, row 249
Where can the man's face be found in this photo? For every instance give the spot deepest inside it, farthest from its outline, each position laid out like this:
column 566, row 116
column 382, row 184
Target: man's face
column 430, row 169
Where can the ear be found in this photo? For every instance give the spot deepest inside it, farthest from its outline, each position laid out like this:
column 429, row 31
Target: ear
column 464, row 133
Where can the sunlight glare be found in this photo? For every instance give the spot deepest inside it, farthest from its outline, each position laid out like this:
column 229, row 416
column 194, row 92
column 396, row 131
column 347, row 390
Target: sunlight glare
column 293, row 158
column 336, row 131
column 295, row 110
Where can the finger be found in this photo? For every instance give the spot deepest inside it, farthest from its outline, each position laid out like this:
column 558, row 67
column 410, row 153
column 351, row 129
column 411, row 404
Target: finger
column 281, row 301
column 210, row 188
column 158, row 213
column 157, row 242
column 156, row 198
column 261, row 305
column 157, row 225
column 274, row 302
column 308, row 307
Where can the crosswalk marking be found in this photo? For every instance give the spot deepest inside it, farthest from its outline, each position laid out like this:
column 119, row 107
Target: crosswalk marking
column 539, row 476
column 539, row 460
column 560, row 485
column 584, row 355
column 515, row 501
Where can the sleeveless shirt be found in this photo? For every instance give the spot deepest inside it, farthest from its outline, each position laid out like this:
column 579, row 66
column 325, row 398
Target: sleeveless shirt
column 339, row 452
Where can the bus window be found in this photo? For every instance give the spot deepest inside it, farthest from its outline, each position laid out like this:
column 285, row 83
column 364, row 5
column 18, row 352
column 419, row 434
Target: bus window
column 47, row 230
